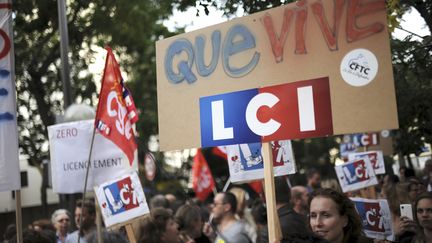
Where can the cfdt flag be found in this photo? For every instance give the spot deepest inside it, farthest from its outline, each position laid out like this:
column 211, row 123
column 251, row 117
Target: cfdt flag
column 356, row 174
column 116, row 111
column 9, row 162
column 376, row 218
column 202, row 179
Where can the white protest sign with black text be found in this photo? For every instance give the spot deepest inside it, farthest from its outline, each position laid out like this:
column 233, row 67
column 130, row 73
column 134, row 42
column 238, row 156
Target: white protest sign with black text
column 376, row 218
column 121, row 199
column 356, row 174
column 69, row 150
column 246, row 163
column 375, row 157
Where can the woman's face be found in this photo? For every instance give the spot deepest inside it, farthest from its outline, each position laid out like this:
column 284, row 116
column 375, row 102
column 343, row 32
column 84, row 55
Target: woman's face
column 325, row 219
column 171, row 234
column 424, row 213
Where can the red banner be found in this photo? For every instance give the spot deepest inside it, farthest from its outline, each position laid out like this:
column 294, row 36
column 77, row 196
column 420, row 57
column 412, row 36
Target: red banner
column 116, row 111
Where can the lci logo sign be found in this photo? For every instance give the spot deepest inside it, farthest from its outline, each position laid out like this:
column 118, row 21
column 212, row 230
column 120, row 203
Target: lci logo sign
column 120, row 196
column 295, row 110
column 356, row 172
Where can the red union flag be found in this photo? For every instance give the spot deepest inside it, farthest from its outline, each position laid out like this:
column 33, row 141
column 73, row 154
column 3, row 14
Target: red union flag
column 116, row 111
column 202, row 179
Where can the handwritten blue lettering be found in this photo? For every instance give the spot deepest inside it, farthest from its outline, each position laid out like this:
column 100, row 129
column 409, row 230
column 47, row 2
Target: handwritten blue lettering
column 203, row 69
column 184, row 67
column 237, row 40
column 232, row 47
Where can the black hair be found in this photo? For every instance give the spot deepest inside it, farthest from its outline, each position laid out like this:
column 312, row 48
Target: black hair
column 230, row 199
column 282, row 190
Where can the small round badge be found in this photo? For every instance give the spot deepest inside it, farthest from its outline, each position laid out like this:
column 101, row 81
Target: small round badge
column 359, row 67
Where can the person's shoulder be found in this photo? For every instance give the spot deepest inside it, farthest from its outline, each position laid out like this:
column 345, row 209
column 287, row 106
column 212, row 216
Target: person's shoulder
column 72, row 236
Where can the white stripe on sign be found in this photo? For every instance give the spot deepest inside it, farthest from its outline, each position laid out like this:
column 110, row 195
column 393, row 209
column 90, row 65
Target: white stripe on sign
column 306, row 108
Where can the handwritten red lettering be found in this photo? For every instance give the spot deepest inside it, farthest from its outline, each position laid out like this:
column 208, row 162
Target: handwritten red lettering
column 355, row 10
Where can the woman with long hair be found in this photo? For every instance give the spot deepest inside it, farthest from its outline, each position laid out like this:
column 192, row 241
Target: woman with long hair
column 332, row 216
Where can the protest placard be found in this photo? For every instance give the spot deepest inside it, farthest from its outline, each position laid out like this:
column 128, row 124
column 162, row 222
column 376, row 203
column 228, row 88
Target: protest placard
column 9, row 154
column 69, row 152
column 245, row 161
column 347, row 43
column 356, row 174
column 376, row 218
column 375, row 157
column 121, row 199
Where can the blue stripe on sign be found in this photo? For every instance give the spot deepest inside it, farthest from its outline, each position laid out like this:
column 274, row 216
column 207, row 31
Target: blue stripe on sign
column 233, row 114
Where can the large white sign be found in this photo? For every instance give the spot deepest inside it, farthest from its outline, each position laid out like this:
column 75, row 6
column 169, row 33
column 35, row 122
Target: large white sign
column 121, row 199
column 69, row 151
column 245, row 161
column 356, row 174
column 9, row 162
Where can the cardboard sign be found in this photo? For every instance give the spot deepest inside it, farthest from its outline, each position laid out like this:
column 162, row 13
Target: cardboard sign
column 347, row 42
column 376, row 158
column 245, row 161
column 295, row 110
column 69, row 151
column 376, row 218
column 356, row 174
column 121, row 199
column 9, row 162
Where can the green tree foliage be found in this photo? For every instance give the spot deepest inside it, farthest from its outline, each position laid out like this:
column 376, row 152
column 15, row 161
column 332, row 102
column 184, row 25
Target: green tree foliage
column 129, row 27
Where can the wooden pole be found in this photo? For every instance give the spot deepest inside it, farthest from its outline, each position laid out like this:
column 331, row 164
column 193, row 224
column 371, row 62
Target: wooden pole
column 273, row 224
column 130, row 233
column 98, row 222
column 18, row 216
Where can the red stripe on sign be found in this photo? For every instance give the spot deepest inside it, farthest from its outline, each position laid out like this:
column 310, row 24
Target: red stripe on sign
column 303, row 110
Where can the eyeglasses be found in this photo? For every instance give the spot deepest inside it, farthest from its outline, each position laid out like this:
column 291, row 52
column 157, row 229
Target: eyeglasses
column 424, row 210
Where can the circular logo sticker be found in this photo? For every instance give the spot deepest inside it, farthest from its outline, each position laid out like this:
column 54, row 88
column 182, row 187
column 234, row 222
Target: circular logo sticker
column 359, row 67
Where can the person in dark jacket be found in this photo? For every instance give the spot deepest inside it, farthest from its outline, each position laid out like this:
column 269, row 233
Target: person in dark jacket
column 290, row 221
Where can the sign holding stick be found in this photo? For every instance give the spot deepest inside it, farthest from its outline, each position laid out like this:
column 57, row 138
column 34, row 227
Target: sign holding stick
column 274, row 229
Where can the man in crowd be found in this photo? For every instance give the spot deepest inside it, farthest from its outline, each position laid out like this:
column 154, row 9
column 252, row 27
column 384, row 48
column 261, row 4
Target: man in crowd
column 86, row 210
column 313, row 180
column 299, row 200
column 291, row 223
column 228, row 228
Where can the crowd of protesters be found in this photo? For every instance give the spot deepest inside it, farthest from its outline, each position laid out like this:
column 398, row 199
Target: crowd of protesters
column 315, row 212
